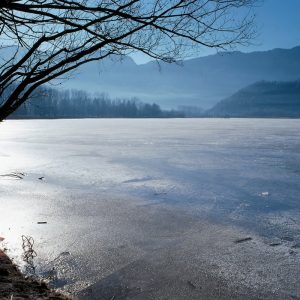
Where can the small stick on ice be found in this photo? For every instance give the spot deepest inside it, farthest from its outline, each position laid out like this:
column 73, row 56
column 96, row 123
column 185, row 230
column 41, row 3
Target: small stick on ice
column 246, row 239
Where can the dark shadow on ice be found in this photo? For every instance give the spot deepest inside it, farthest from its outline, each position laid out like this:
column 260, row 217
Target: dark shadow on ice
column 110, row 287
column 143, row 179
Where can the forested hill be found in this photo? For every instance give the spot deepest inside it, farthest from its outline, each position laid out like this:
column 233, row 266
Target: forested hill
column 200, row 82
column 51, row 103
column 262, row 99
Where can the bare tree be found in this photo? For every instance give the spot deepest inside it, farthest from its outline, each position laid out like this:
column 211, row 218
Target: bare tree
column 47, row 39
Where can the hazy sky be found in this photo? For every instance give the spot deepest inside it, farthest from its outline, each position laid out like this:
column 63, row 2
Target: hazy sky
column 278, row 24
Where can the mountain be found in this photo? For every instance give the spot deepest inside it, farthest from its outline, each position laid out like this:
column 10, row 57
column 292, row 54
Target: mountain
column 198, row 82
column 262, row 99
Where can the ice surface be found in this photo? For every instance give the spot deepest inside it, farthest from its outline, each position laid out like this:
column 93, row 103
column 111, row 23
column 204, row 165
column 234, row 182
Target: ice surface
column 119, row 193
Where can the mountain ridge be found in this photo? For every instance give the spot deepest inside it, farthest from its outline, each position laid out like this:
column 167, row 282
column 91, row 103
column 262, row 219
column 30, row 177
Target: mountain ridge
column 198, row 82
column 261, row 99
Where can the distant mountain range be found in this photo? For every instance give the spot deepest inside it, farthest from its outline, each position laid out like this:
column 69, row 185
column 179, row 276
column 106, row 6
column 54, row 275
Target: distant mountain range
column 262, row 99
column 199, row 82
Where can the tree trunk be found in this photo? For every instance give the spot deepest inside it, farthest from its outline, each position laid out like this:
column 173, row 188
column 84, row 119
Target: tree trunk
column 5, row 111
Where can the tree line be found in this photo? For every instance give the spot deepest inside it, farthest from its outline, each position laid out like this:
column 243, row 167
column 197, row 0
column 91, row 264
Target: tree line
column 49, row 102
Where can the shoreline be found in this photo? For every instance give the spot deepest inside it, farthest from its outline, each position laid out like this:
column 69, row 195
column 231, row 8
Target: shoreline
column 14, row 284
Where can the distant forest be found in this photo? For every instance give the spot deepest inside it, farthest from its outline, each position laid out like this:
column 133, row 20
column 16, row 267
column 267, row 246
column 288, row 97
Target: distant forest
column 51, row 103
column 260, row 100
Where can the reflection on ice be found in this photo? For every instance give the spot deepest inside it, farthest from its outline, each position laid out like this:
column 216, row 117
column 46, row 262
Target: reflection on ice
column 109, row 192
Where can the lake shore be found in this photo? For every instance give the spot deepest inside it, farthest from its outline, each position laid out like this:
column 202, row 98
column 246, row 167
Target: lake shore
column 14, row 285
column 155, row 251
column 180, row 258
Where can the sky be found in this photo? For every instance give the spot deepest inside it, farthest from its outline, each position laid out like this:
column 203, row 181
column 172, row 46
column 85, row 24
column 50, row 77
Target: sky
column 278, row 23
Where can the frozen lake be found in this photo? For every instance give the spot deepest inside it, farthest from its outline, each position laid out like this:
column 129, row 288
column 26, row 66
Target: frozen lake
column 150, row 207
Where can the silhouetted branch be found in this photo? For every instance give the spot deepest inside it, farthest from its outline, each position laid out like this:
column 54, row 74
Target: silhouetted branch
column 50, row 38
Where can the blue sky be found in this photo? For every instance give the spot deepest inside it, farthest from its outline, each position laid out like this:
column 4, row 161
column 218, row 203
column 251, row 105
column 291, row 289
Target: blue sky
column 278, row 23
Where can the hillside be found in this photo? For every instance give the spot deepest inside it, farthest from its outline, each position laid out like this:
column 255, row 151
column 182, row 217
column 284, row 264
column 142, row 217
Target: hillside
column 198, row 82
column 262, row 99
